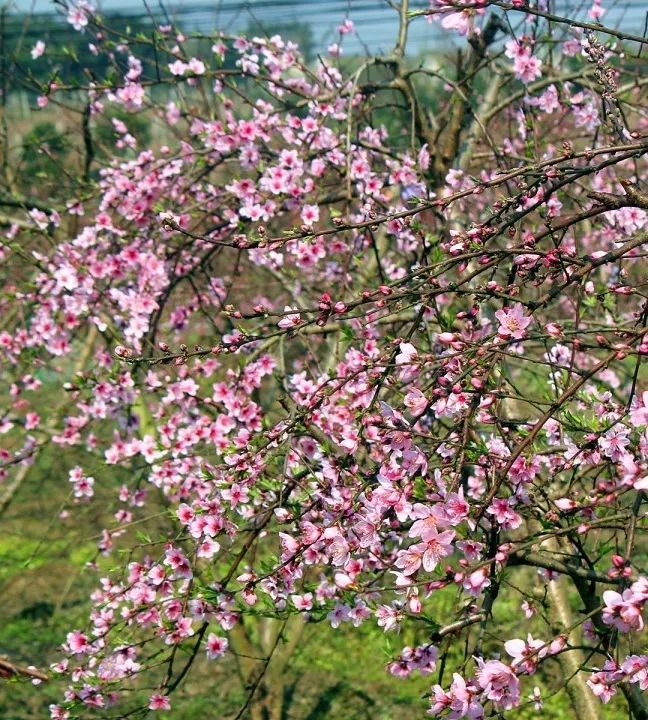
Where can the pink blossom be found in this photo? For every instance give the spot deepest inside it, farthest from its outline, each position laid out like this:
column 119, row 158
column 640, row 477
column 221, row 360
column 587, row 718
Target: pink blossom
column 338, row 615
column 526, row 67
column 415, row 401
column 389, row 618
column 623, row 610
column 77, row 642
column 216, row 646
column 425, row 523
column 196, row 66
column 513, row 322
column 603, row 683
column 639, row 412
column 614, row 442
column 407, row 353
column 410, row 560
column 526, row 655
column 58, row 713
column 499, row 683
column 502, row 511
column 461, row 699
column 159, row 702
column 476, row 582
column 596, row 12
column 346, row 27
column 38, row 49
column 310, row 214
column 292, row 319
column 303, row 602
column 437, row 546
column 78, row 15
column 178, row 68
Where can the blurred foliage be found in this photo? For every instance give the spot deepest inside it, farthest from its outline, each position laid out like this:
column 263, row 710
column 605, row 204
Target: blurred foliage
column 44, row 149
column 104, row 134
column 67, row 55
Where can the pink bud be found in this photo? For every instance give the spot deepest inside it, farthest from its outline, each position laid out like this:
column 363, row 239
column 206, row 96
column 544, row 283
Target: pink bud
column 415, row 605
column 123, row 352
column 553, row 329
column 557, row 645
column 343, row 581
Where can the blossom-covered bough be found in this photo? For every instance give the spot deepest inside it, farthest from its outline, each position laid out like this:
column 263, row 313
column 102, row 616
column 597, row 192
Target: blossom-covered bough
column 369, row 334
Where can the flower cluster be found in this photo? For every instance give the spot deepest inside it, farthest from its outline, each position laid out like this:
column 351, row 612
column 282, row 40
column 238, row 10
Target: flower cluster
column 345, row 374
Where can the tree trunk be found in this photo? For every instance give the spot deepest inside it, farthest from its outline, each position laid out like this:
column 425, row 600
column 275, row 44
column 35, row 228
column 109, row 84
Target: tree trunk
column 586, row 705
column 269, row 656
